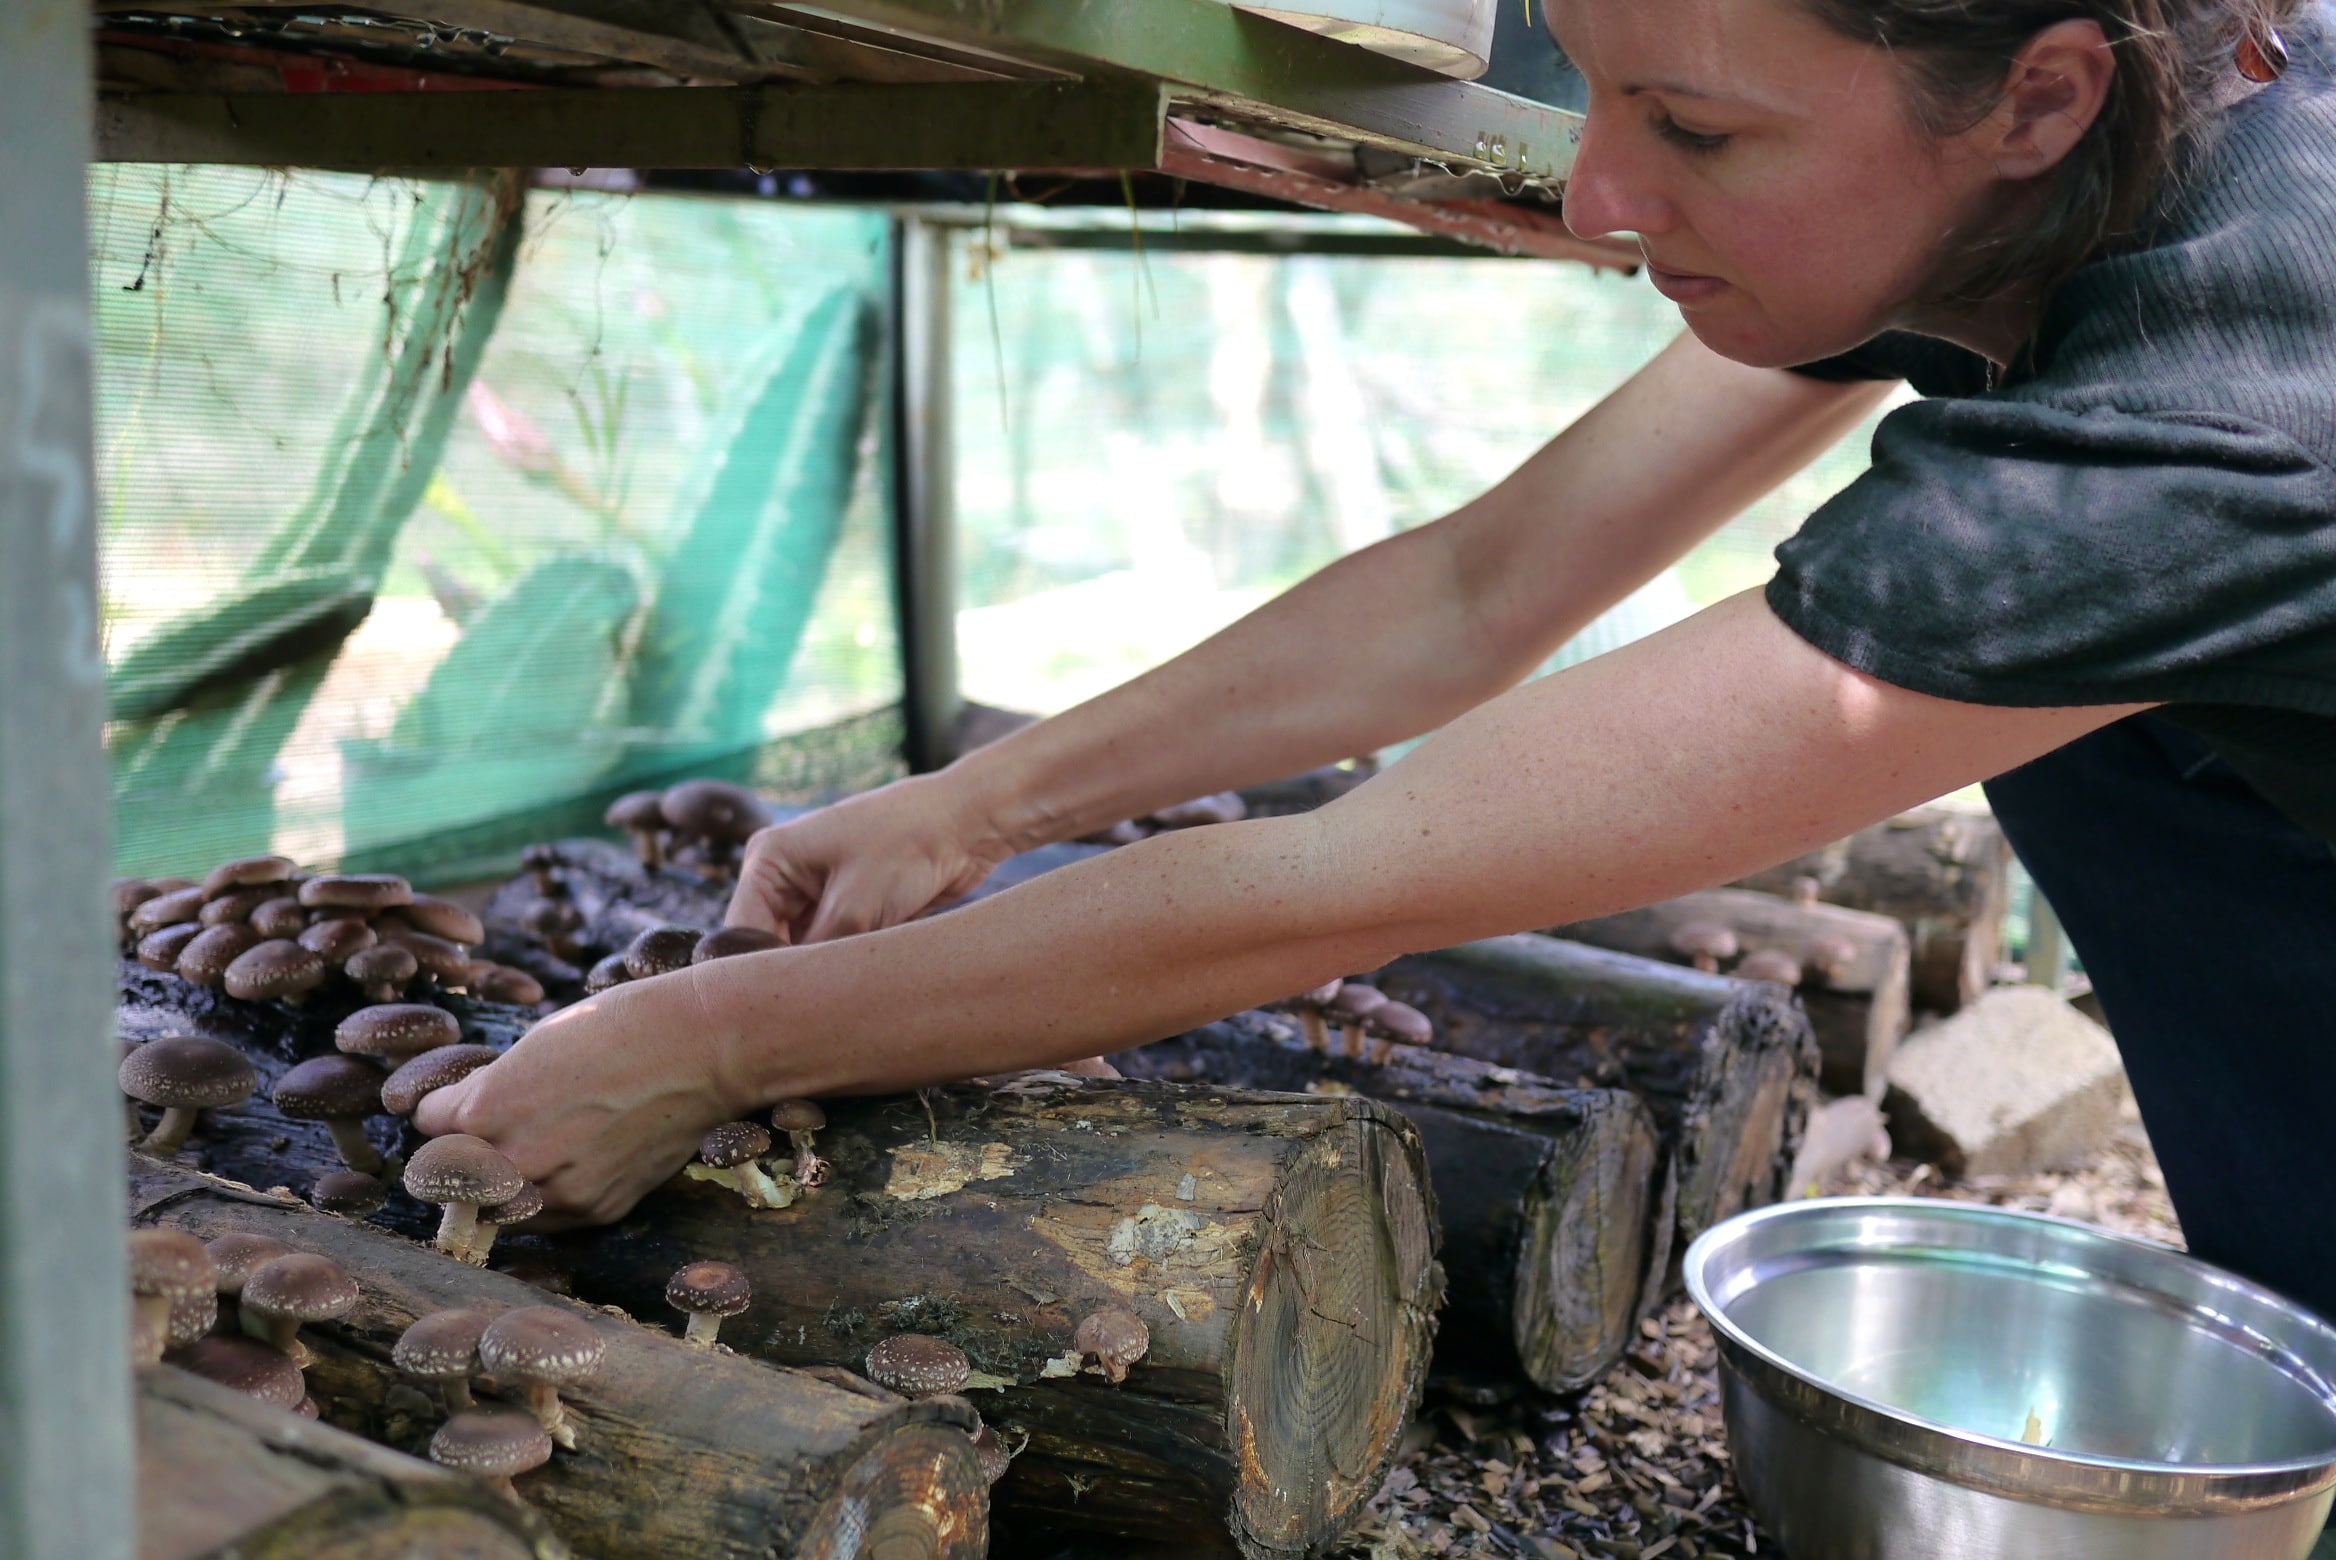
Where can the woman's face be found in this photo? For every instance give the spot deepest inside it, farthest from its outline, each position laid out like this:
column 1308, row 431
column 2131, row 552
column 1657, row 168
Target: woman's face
column 1771, row 168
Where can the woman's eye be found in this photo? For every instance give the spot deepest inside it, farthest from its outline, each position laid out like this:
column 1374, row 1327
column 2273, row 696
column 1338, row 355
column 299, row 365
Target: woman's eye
column 1688, row 140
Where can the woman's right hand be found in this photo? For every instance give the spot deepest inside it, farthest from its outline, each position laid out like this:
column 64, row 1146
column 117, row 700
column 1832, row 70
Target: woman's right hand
column 868, row 862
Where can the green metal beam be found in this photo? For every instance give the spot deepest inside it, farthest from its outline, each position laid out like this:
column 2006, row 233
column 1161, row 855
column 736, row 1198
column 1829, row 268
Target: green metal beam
column 978, row 125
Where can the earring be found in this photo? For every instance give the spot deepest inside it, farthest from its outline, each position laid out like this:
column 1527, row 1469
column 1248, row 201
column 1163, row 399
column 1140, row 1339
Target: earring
column 2262, row 57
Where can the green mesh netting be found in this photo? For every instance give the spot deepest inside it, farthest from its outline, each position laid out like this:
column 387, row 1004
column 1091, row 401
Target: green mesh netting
column 437, row 513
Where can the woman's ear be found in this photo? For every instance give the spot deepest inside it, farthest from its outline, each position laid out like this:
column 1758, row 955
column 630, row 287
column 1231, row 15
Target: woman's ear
column 2056, row 88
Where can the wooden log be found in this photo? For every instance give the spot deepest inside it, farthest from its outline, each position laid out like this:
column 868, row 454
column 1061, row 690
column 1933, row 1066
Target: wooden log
column 682, row 1452
column 1944, row 872
column 1726, row 1067
column 223, row 1474
column 1857, row 1006
column 1557, row 1231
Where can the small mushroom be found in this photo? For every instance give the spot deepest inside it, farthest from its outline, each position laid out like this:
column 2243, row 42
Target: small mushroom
column 1113, row 1339
column 337, row 938
column 641, row 814
column 491, row 1444
column 659, row 951
column 518, row 1208
column 801, row 1120
column 246, row 872
column 1349, row 1008
column 192, row 1316
column 283, row 917
column 206, row 957
column 166, row 1266
column 391, row 1032
column 714, row 811
column 706, row 1292
column 554, row 923
column 235, row 1254
column 729, row 1153
column 442, row 1347
column 542, row 863
column 1805, row 891
column 1770, row 964
column 241, row 1365
column 1704, row 944
column 177, row 908
column 444, row 962
column 402, row 1091
column 277, row 970
column 185, row 1075
column 1830, row 958
column 543, row 1350
column 340, row 1091
column 281, row 1294
column 1310, row 1006
column 127, row 895
column 366, row 891
column 1201, row 811
column 731, row 941
column 607, row 973
column 436, row 917
column 160, row 950
column 238, row 905
column 1396, row 1023
column 502, row 983
column 351, row 1193
column 380, row 971
column 461, row 1174
column 989, row 1450
column 916, row 1366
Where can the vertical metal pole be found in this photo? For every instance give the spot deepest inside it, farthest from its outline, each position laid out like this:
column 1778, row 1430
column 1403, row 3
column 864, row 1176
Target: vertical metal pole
column 2047, row 959
column 65, row 1449
column 924, row 491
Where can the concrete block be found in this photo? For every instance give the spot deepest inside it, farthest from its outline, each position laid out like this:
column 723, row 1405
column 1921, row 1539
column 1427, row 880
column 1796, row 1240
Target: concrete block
column 2016, row 1082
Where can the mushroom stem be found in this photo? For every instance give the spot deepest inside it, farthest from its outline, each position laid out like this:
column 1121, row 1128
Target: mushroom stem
column 457, row 1391
column 758, row 1187
column 151, row 1336
column 357, row 1150
column 649, row 846
column 1381, row 1049
column 171, row 1134
column 458, row 1231
column 544, row 1403
column 281, row 1333
column 701, row 1330
column 1707, row 963
column 1317, row 1032
column 810, row 1169
column 1350, row 1038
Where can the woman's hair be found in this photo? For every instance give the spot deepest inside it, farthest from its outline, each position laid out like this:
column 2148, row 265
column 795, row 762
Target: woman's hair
column 2173, row 57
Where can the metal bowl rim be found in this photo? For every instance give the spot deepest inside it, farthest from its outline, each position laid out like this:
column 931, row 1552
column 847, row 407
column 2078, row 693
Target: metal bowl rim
column 2186, row 1483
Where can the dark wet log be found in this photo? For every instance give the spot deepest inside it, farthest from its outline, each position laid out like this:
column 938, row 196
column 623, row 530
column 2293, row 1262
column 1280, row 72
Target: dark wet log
column 1557, row 1228
column 1855, row 995
column 682, row 1451
column 223, row 1474
column 1725, row 1066
column 1945, row 873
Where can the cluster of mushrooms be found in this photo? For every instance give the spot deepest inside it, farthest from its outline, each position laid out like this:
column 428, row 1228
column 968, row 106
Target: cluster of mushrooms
column 1359, row 1013
column 232, row 1311
column 1201, row 811
column 736, row 1155
column 1711, row 946
column 699, row 824
column 263, row 930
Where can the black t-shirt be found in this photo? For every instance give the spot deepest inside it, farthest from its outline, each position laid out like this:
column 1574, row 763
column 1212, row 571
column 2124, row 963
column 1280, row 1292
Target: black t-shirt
column 2145, row 511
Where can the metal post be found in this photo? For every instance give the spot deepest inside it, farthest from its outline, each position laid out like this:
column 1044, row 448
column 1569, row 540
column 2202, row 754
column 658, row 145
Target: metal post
column 2047, row 959
column 924, row 491
column 65, row 1445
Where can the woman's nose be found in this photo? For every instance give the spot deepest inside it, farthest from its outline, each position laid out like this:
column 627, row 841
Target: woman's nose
column 1609, row 191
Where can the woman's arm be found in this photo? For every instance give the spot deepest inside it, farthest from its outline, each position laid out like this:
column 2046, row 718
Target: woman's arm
column 1719, row 746
column 1391, row 641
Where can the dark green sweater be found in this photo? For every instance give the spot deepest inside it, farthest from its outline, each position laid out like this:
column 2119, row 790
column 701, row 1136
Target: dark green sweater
column 2145, row 511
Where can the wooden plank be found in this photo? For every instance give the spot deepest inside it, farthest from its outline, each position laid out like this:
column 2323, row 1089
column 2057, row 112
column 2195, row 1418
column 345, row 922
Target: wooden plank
column 980, row 125
column 65, row 1447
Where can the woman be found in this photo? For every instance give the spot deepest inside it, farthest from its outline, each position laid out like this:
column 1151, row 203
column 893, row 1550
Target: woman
column 2097, row 568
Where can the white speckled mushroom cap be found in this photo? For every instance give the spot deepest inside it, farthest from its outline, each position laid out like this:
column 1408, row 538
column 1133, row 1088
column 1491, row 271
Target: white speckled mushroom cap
column 709, row 1289
column 917, row 1366
column 733, row 1143
column 459, row 1168
column 302, row 1286
column 1113, row 1334
column 440, row 1346
column 236, row 1253
column 542, row 1344
column 494, row 1443
column 396, row 1029
column 188, row 1072
column 170, row 1263
column 402, row 1092
column 245, row 1366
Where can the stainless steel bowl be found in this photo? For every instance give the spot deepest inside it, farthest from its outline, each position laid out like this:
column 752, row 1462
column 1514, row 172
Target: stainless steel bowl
column 1919, row 1380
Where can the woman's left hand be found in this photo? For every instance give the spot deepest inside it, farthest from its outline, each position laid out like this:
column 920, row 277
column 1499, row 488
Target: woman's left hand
column 602, row 1102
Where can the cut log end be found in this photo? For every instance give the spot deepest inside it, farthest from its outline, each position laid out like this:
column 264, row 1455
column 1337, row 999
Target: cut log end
column 925, row 1486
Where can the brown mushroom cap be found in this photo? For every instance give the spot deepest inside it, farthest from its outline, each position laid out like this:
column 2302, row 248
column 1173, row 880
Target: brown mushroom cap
column 236, row 905
column 1770, row 964
column 274, row 969
column 235, row 1254
column 186, row 1072
column 990, row 1452
column 246, row 872
column 733, row 1143
column 914, row 1365
column 445, row 962
column 502, row 983
column 283, row 917
column 798, row 1116
column 636, row 811
column 659, row 951
column 518, row 1208
column 356, row 891
column 491, row 1443
column 208, row 954
column 459, row 1168
column 160, row 950
column 441, row 1346
column 608, row 972
column 301, row 1287
column 396, row 1030
column 440, row 918
column 129, row 893
column 381, row 965
column 541, row 1345
column 732, row 941
column 715, row 810
column 1401, row 1022
column 246, row 1366
column 709, row 1289
column 324, row 1088
column 546, row 918
column 1115, row 1336
column 402, row 1091
column 339, row 938
column 169, row 909
column 1354, row 1001
column 350, row 1192
column 1830, row 957
column 1704, row 940
column 170, row 1263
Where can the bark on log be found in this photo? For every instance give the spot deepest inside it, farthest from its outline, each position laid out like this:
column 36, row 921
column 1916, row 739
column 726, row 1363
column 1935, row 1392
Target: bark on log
column 220, row 1474
column 1557, row 1231
column 682, row 1452
column 1726, row 1066
column 1946, row 874
column 1858, row 1013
